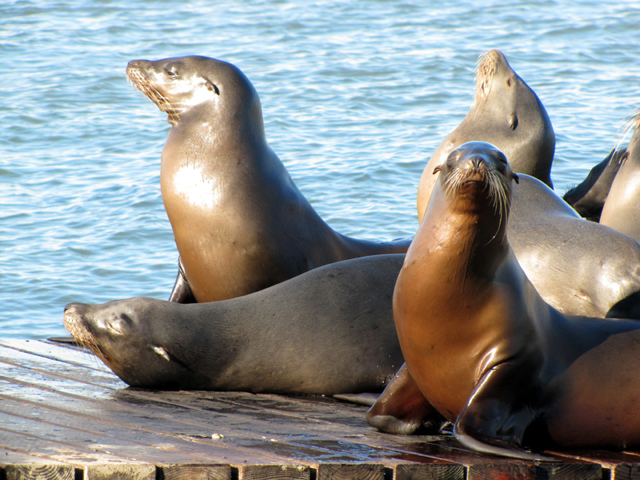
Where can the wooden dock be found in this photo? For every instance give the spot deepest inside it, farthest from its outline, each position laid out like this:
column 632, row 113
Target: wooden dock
column 64, row 415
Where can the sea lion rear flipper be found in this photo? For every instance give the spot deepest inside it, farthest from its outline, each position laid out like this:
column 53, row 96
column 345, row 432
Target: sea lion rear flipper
column 498, row 414
column 181, row 292
column 402, row 408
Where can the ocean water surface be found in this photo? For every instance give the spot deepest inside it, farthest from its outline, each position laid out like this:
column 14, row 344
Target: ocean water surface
column 356, row 96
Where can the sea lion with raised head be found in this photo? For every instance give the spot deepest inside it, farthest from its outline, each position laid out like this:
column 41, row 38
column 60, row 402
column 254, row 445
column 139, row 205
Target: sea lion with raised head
column 329, row 330
column 579, row 267
column 588, row 197
column 484, row 349
column 239, row 221
column 621, row 210
column 506, row 113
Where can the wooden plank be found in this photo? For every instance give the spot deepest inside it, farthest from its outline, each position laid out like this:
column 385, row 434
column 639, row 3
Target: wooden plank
column 274, row 472
column 195, row 472
column 21, row 465
column 296, row 450
column 130, row 442
column 625, row 465
column 33, row 350
column 534, row 472
column 66, row 389
column 39, row 472
column 625, row 472
column 333, row 471
column 430, row 472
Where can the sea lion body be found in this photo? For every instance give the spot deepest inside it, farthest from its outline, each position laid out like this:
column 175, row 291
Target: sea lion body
column 621, row 210
column 326, row 331
column 483, row 347
column 239, row 221
column 579, row 267
column 506, row 113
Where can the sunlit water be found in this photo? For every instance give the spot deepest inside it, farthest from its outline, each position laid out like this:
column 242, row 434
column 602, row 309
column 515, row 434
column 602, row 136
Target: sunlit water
column 356, row 96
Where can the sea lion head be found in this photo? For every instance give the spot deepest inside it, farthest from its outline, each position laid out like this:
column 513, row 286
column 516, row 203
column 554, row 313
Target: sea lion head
column 214, row 88
column 124, row 334
column 476, row 174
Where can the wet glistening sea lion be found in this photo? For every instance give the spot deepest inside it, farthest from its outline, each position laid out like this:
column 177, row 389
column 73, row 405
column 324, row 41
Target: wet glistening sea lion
column 483, row 348
column 329, row 330
column 239, row 221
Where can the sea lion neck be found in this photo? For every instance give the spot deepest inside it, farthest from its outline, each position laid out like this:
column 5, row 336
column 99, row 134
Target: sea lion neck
column 199, row 138
column 472, row 233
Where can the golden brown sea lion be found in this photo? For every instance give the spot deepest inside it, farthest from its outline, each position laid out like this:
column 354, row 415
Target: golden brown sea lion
column 481, row 345
column 239, row 222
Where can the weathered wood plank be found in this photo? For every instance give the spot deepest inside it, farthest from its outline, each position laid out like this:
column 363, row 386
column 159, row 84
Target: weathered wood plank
column 333, row 471
column 274, row 472
column 624, row 465
column 39, row 472
column 534, row 472
column 296, row 450
column 430, row 472
column 64, row 405
column 194, row 472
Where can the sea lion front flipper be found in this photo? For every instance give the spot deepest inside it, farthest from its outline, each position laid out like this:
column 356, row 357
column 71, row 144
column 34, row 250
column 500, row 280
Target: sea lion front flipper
column 402, row 408
column 498, row 414
column 181, row 292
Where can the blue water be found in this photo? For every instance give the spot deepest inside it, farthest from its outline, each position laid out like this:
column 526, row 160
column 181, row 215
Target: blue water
column 356, row 96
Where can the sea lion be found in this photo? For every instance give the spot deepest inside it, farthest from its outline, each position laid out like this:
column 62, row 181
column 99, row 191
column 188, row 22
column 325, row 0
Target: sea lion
column 588, row 197
column 505, row 113
column 621, row 210
column 239, row 221
column 579, row 267
column 482, row 346
column 327, row 331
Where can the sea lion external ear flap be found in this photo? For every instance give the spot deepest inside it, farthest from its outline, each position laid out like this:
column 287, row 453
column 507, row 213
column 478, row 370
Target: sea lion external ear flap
column 437, row 169
column 516, row 178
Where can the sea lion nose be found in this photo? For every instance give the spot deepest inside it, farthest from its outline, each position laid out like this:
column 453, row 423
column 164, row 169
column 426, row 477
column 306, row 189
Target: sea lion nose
column 74, row 309
column 477, row 163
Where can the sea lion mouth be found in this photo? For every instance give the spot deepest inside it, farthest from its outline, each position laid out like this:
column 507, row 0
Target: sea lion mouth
column 482, row 178
column 78, row 330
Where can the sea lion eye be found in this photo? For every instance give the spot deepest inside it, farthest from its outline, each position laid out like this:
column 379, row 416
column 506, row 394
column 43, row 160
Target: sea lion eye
column 213, row 88
column 171, row 71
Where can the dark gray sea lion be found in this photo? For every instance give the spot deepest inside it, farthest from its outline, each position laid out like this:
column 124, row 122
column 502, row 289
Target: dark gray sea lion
column 239, row 222
column 326, row 331
column 505, row 113
column 621, row 211
column 588, row 197
column 484, row 349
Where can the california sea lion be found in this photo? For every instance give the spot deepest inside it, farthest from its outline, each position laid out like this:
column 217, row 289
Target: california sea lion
column 482, row 346
column 579, row 267
column 326, row 331
column 505, row 113
column 239, row 222
column 621, row 210
column 588, row 197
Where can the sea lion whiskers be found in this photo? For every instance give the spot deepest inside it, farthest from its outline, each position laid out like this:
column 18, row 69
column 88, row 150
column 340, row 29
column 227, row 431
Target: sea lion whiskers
column 630, row 123
column 142, row 83
column 83, row 336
